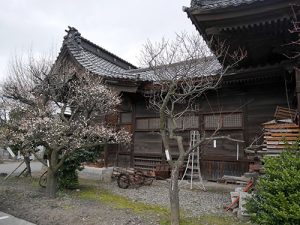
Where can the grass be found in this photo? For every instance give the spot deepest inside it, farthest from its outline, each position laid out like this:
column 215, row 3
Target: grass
column 92, row 192
column 35, row 182
column 120, row 202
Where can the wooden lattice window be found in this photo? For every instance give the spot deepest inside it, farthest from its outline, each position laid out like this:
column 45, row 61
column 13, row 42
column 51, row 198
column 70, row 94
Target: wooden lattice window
column 147, row 124
column 178, row 123
column 190, row 122
column 153, row 123
column 232, row 120
column 186, row 122
column 228, row 120
column 142, row 124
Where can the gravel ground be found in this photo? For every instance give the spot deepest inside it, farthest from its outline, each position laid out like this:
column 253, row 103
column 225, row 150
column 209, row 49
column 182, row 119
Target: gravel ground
column 19, row 198
column 194, row 202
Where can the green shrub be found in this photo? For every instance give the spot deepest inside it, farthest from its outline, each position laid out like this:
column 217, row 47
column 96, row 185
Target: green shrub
column 277, row 196
column 68, row 173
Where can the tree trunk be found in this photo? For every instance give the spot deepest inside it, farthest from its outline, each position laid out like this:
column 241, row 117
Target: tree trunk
column 28, row 167
column 51, row 187
column 174, row 196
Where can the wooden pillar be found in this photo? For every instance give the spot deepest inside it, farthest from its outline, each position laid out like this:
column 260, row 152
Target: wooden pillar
column 297, row 89
column 133, row 122
column 105, row 155
column 297, row 75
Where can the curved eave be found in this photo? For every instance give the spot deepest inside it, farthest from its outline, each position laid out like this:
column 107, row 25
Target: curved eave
column 225, row 5
column 204, row 18
column 107, row 73
column 245, row 8
column 109, row 53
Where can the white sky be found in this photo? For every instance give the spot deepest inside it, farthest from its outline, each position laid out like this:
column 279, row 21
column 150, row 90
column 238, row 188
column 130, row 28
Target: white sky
column 120, row 26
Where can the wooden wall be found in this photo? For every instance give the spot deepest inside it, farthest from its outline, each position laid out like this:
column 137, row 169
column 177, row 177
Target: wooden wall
column 254, row 102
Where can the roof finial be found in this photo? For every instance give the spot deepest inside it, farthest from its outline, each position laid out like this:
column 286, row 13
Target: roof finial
column 71, row 29
column 73, row 34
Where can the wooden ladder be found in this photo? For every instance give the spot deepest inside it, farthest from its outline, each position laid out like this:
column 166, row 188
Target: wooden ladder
column 192, row 170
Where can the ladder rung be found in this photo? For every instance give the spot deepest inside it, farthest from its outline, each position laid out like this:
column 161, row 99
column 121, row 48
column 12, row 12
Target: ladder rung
column 194, row 176
column 190, row 167
column 192, row 170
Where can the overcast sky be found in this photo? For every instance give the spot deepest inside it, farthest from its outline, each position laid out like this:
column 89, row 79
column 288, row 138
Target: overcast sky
column 120, row 26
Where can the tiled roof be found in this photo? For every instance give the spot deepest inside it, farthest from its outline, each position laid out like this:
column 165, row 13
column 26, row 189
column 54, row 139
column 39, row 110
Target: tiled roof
column 215, row 4
column 96, row 59
column 203, row 67
column 104, row 63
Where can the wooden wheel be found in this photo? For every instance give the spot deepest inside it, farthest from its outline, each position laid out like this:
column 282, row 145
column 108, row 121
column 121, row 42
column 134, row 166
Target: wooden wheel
column 43, row 180
column 123, row 181
column 148, row 180
column 139, row 178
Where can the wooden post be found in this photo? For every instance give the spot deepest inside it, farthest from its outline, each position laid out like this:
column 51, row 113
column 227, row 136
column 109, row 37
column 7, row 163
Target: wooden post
column 105, row 155
column 297, row 88
column 133, row 125
column 14, row 170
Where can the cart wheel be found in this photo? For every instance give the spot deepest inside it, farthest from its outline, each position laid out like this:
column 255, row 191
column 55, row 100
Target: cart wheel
column 43, row 180
column 123, row 181
column 139, row 178
column 148, row 181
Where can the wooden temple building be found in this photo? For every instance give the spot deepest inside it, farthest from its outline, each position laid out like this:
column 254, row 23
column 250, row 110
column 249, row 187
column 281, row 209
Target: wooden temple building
column 247, row 98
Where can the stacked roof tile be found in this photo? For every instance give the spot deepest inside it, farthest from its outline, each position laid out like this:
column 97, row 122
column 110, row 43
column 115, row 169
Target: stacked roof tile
column 101, row 62
column 215, row 4
column 96, row 59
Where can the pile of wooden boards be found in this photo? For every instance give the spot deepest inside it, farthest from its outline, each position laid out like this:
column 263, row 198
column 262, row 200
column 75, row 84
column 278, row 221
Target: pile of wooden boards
column 278, row 134
column 234, row 179
column 285, row 113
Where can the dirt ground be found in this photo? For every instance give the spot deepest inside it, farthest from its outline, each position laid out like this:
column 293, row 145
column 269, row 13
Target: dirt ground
column 23, row 198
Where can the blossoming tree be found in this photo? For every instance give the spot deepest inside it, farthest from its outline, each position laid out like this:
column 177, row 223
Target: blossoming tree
column 63, row 109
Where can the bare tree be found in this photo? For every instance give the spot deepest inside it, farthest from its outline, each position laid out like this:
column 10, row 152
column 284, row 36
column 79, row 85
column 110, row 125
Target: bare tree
column 182, row 71
column 62, row 110
column 292, row 49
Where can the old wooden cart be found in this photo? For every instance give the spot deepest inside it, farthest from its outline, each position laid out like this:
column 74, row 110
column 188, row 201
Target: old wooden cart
column 132, row 177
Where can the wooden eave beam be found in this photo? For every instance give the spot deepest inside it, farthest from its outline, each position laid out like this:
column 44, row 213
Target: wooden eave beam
column 239, row 11
column 244, row 25
column 209, row 22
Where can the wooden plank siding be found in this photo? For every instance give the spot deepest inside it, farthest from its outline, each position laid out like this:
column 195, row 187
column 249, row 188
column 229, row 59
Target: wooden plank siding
column 243, row 108
column 214, row 169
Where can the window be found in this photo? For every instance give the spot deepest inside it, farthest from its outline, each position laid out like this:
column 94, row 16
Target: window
column 142, row 124
column 186, row 122
column 225, row 121
column 147, row 124
column 190, row 122
column 153, row 123
column 126, row 117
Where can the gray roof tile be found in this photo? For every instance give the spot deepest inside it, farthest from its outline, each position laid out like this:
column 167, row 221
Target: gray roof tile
column 203, row 67
column 214, row 4
column 92, row 62
column 99, row 61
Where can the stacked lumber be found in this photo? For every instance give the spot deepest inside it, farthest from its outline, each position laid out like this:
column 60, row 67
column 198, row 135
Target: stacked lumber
column 234, row 179
column 285, row 113
column 277, row 135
